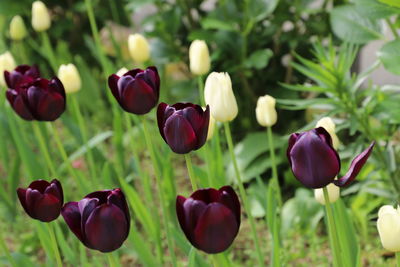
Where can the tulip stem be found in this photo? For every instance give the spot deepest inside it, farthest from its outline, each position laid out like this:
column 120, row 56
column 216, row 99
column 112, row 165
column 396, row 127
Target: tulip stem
column 398, row 259
column 189, row 166
column 43, row 148
column 111, row 260
column 200, row 86
column 164, row 212
column 50, row 53
column 4, row 247
column 53, row 241
column 333, row 231
column 273, row 164
column 243, row 195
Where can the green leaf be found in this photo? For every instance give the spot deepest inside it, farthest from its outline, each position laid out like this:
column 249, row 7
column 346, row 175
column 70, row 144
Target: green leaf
column 260, row 9
column 349, row 24
column 259, row 59
column 375, row 10
column 394, row 3
column 216, row 24
column 389, row 54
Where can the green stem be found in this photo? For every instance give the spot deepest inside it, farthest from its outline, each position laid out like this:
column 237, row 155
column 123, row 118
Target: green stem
column 6, row 251
column 332, row 226
column 200, row 86
column 164, row 212
column 44, row 148
column 113, row 261
column 392, row 28
column 273, row 164
column 49, row 51
column 398, row 259
column 219, row 165
column 243, row 195
column 54, row 244
column 189, row 166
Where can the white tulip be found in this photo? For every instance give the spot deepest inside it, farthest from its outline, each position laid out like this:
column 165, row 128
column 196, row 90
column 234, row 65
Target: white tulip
column 265, row 111
column 389, row 227
column 333, row 193
column 139, row 48
column 328, row 124
column 122, row 71
column 40, row 17
column 69, row 76
column 199, row 57
column 7, row 62
column 17, row 28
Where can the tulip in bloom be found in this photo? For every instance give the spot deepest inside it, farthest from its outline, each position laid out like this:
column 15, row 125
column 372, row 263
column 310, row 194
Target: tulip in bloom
column 389, row 227
column 315, row 163
column 7, row 63
column 138, row 48
column 40, row 17
column 265, row 111
column 184, row 126
column 199, row 57
column 333, row 193
column 328, row 124
column 136, row 91
column 34, row 98
column 101, row 220
column 219, row 95
column 42, row 200
column 69, row 76
column 210, row 218
column 17, row 28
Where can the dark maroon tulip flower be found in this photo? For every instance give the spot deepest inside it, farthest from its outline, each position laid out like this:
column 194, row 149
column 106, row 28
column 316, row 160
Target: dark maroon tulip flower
column 101, row 220
column 136, row 91
column 210, row 218
column 41, row 99
column 21, row 75
column 42, row 200
column 315, row 163
column 183, row 126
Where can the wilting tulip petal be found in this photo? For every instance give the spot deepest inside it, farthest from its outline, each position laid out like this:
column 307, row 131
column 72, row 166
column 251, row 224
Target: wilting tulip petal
column 355, row 167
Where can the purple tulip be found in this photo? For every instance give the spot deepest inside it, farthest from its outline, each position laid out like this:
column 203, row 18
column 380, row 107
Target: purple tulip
column 183, row 126
column 22, row 75
column 41, row 99
column 101, row 220
column 210, row 218
column 315, row 163
column 42, row 200
column 137, row 91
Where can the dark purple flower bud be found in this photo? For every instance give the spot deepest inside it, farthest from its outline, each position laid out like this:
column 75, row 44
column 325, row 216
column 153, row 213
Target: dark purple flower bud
column 22, row 75
column 210, row 218
column 315, row 163
column 42, row 200
column 41, row 100
column 101, row 220
column 136, row 91
column 183, row 126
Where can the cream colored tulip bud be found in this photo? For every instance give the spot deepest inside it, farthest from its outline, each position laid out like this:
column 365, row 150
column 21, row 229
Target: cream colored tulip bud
column 17, row 28
column 40, row 17
column 328, row 124
column 199, row 57
column 122, row 71
column 333, row 193
column 69, row 76
column 265, row 111
column 138, row 48
column 389, row 227
column 7, row 62
column 219, row 95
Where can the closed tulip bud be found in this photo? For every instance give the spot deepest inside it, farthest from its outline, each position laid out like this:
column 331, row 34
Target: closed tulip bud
column 265, row 111
column 219, row 95
column 315, row 163
column 17, row 28
column 7, row 63
column 199, row 57
column 34, row 98
column 333, row 193
column 183, row 126
column 210, row 218
column 137, row 91
column 40, row 17
column 138, row 48
column 101, row 220
column 69, row 76
column 122, row 71
column 42, row 200
column 328, row 124
column 389, row 227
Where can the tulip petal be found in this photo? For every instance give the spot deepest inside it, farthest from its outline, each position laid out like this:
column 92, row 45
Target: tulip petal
column 179, row 134
column 40, row 185
column 32, row 196
column 292, row 140
column 22, row 198
column 47, row 208
column 21, row 108
column 102, row 196
column 53, row 189
column 50, row 107
column 138, row 96
column 152, row 78
column 60, row 190
column 56, row 86
column 86, row 207
column 216, row 229
column 72, row 217
column 207, row 195
column 199, row 121
column 314, row 162
column 113, row 84
column 118, row 199
column 229, row 198
column 106, row 228
column 355, row 167
column 180, row 212
column 161, row 118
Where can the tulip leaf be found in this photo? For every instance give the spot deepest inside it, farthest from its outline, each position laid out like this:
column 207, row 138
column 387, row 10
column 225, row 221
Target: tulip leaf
column 350, row 25
column 389, row 54
column 394, row 3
